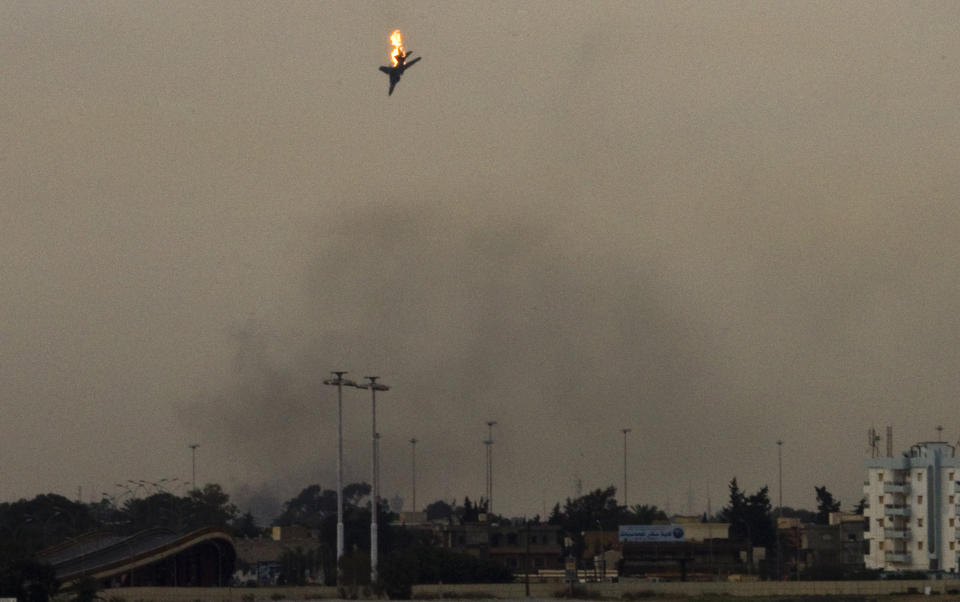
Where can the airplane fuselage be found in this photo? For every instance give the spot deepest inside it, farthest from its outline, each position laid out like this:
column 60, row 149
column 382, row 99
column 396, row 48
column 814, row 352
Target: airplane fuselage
column 396, row 71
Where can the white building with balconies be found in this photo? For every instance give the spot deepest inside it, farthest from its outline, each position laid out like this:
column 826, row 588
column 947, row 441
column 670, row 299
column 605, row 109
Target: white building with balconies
column 913, row 509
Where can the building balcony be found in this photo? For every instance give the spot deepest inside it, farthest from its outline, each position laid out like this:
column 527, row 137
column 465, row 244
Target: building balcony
column 896, row 510
column 896, row 534
column 897, row 557
column 903, row 488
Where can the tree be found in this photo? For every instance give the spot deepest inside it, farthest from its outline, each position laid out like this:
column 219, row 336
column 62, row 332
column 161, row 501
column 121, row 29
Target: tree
column 597, row 510
column 470, row 512
column 749, row 516
column 439, row 510
column 212, row 507
column 27, row 579
column 825, row 505
column 317, row 508
column 246, row 526
column 861, row 506
column 556, row 515
column 805, row 516
column 309, row 507
column 644, row 514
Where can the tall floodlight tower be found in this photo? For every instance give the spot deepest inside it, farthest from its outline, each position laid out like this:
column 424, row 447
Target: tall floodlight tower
column 625, row 503
column 780, row 500
column 413, row 470
column 193, row 463
column 489, row 444
column 339, row 382
column 374, row 386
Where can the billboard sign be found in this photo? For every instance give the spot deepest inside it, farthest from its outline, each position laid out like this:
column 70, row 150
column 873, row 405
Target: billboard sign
column 658, row 533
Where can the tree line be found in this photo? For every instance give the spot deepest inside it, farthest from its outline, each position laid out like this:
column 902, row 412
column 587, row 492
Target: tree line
column 28, row 526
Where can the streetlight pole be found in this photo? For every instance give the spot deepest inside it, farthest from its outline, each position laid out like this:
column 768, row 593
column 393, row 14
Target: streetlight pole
column 780, row 500
column 339, row 382
column 193, row 462
column 413, row 472
column 374, row 386
column 489, row 444
column 625, row 503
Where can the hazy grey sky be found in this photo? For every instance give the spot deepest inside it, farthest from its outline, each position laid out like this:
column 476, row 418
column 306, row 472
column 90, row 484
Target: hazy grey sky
column 716, row 223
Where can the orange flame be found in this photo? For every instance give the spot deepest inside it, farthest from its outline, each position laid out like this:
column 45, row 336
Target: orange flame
column 397, row 40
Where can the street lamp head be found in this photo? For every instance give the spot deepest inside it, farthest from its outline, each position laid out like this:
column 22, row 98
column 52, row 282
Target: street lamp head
column 625, row 431
column 339, row 381
column 373, row 384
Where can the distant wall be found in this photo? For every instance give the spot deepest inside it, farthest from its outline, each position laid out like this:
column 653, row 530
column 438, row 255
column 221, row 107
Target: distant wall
column 541, row 590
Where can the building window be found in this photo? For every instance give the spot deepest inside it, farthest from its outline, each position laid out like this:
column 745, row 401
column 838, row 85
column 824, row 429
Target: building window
column 533, row 539
column 951, row 499
column 539, row 562
column 511, row 539
column 880, row 545
column 920, row 545
column 951, row 522
column 880, row 476
column 951, row 476
column 919, row 476
column 512, row 562
column 881, row 499
column 919, row 499
column 495, row 540
column 920, row 522
column 953, row 545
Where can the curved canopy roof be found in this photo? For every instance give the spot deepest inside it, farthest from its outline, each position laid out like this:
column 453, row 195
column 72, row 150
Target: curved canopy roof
column 104, row 555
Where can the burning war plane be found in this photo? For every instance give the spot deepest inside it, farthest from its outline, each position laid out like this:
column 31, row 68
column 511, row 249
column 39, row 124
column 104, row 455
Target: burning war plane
column 398, row 59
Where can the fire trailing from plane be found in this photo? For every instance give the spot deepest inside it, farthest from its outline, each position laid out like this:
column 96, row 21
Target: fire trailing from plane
column 399, row 60
column 397, row 41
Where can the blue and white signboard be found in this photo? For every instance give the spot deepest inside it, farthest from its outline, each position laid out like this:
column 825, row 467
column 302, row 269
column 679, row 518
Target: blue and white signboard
column 659, row 533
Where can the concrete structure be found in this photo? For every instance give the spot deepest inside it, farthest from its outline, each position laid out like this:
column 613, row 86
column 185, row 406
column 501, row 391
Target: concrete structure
column 153, row 557
column 260, row 560
column 913, row 509
column 696, row 530
column 834, row 548
column 510, row 545
column 706, row 553
column 632, row 588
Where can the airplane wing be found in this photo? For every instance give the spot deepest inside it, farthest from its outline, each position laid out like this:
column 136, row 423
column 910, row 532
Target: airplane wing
column 409, row 63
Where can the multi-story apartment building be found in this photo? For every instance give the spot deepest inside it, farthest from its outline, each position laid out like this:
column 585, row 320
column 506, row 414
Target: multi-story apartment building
column 913, row 509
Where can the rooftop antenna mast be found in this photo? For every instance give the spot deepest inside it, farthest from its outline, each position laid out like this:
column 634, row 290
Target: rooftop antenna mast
column 872, row 440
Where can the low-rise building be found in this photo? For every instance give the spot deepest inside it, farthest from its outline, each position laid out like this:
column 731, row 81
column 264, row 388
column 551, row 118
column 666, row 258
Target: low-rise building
column 516, row 546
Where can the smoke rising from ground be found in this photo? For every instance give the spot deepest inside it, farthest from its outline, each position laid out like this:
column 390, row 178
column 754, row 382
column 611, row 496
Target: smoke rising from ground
column 716, row 226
